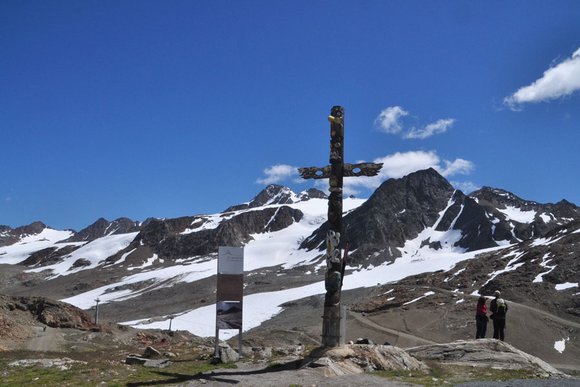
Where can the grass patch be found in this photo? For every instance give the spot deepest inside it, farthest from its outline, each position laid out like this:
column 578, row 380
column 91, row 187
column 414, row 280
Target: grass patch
column 100, row 370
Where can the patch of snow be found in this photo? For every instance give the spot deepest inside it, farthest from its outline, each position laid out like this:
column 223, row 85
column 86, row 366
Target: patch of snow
column 21, row 250
column 419, row 298
column 261, row 307
column 547, row 217
column 460, row 301
column 458, row 272
column 544, row 263
column 511, row 266
column 125, row 257
column 147, row 263
column 518, row 215
column 208, row 222
column 560, row 345
column 566, row 285
column 95, row 252
column 159, row 278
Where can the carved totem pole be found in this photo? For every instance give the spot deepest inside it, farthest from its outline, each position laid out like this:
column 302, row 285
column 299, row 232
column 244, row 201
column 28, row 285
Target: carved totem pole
column 331, row 323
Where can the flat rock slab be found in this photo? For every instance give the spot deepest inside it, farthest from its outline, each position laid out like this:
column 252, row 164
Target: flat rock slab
column 484, row 353
column 155, row 363
column 360, row 358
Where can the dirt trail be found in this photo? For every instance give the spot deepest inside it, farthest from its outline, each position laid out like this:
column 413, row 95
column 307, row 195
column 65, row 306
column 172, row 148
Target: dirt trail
column 510, row 302
column 371, row 324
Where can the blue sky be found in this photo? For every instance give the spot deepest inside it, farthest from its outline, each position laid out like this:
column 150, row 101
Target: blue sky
column 175, row 108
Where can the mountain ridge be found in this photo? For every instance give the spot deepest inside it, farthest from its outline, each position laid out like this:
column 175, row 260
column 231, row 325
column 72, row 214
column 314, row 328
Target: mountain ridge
column 413, row 230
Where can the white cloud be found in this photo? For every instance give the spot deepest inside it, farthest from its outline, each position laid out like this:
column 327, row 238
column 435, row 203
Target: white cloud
column 558, row 81
column 440, row 126
column 466, row 187
column 395, row 165
column 389, row 120
column 278, row 173
column 402, row 163
column 458, row 166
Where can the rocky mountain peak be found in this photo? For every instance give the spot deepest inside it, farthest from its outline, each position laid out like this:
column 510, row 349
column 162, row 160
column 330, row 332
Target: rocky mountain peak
column 312, row 193
column 272, row 194
column 501, row 198
column 9, row 235
column 102, row 227
column 397, row 211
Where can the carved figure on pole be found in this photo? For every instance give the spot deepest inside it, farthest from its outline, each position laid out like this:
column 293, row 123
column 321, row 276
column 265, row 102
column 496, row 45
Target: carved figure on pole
column 331, row 324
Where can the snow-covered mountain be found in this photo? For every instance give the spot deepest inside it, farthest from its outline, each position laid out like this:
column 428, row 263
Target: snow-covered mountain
column 143, row 273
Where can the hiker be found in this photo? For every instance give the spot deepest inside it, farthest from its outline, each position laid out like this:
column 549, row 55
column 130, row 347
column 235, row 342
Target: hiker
column 498, row 308
column 481, row 318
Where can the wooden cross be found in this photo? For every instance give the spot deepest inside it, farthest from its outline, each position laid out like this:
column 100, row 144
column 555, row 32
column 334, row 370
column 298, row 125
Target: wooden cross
column 333, row 321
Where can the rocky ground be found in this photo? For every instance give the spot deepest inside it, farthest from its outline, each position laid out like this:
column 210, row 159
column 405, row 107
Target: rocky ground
column 55, row 344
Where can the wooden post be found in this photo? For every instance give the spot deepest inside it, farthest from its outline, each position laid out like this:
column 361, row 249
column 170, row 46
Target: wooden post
column 333, row 320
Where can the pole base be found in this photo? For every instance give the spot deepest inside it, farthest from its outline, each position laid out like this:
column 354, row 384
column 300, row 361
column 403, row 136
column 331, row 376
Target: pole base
column 333, row 326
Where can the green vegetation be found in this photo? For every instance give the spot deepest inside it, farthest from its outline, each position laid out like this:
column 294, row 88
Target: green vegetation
column 97, row 371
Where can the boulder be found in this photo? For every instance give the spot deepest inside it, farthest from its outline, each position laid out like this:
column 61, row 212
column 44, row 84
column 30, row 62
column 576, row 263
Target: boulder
column 151, row 352
column 356, row 359
column 484, row 353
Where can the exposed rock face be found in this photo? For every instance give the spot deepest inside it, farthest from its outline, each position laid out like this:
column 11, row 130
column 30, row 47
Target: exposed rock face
column 312, row 193
column 484, row 353
column 48, row 256
column 10, row 236
column 397, row 211
column 356, row 359
column 277, row 194
column 517, row 219
column 401, row 208
column 55, row 314
column 272, row 194
column 102, row 227
column 168, row 240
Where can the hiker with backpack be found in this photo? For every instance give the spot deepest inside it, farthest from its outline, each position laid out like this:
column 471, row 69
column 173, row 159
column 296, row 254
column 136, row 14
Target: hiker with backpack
column 498, row 308
column 481, row 318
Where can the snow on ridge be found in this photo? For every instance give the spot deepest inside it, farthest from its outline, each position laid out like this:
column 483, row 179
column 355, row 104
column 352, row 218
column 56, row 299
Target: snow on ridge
column 518, row 215
column 448, row 238
column 265, row 250
column 156, row 278
column 22, row 249
column 94, row 252
column 261, row 307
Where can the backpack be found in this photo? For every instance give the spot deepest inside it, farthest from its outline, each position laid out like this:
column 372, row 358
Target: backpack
column 501, row 308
